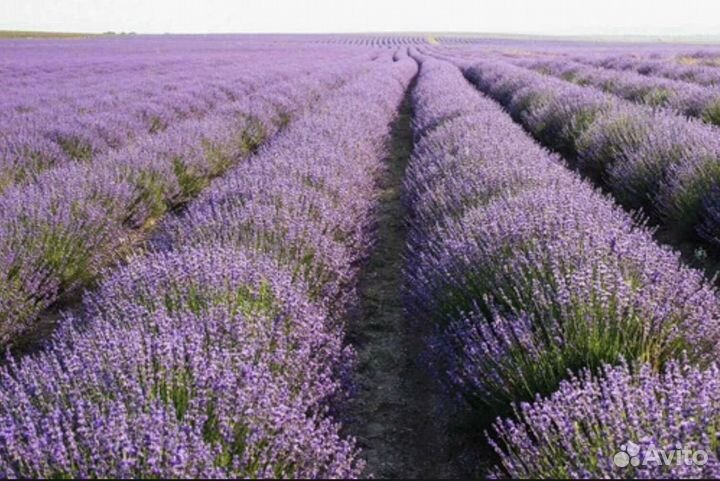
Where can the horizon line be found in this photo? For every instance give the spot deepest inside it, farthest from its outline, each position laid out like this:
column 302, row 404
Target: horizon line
column 510, row 35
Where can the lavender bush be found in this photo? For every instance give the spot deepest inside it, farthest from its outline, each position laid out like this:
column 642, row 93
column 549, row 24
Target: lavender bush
column 61, row 109
column 579, row 430
column 700, row 74
column 180, row 372
column 660, row 162
column 684, row 98
column 57, row 235
column 525, row 271
column 215, row 357
column 307, row 198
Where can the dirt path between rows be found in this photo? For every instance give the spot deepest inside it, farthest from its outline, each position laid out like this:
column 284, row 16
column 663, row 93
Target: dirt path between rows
column 392, row 414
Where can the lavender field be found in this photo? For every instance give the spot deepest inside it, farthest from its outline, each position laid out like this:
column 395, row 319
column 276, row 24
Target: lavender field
column 351, row 256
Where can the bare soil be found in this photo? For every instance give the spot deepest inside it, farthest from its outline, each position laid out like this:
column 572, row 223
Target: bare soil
column 395, row 414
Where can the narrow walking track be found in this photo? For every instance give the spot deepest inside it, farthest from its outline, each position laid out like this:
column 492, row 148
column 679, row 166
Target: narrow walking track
column 392, row 412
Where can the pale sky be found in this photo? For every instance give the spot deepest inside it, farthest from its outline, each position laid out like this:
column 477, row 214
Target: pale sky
column 560, row 17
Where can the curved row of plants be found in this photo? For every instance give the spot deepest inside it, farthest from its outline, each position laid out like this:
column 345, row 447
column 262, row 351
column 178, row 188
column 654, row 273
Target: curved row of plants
column 648, row 159
column 684, row 98
column 221, row 353
column 549, row 306
column 58, row 232
column 656, row 67
column 57, row 118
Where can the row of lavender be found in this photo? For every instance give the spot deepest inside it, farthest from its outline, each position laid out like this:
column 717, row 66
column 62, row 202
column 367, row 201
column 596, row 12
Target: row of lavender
column 221, row 354
column 658, row 67
column 50, row 121
column 526, row 274
column 39, row 133
column 685, row 98
column 648, row 159
column 58, row 232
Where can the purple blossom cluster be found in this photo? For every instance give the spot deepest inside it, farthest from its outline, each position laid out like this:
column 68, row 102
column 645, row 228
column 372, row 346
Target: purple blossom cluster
column 307, row 198
column 536, row 286
column 685, row 98
column 649, row 159
column 57, row 232
column 523, row 270
column 50, row 115
column 220, row 354
column 197, row 363
column 657, row 67
column 579, row 431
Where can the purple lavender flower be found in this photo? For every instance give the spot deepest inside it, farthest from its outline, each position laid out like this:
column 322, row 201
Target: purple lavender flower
column 520, row 270
column 580, row 430
column 653, row 160
column 58, row 230
column 219, row 356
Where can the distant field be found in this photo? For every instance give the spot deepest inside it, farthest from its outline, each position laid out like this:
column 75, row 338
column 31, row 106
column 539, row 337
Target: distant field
column 24, row 34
